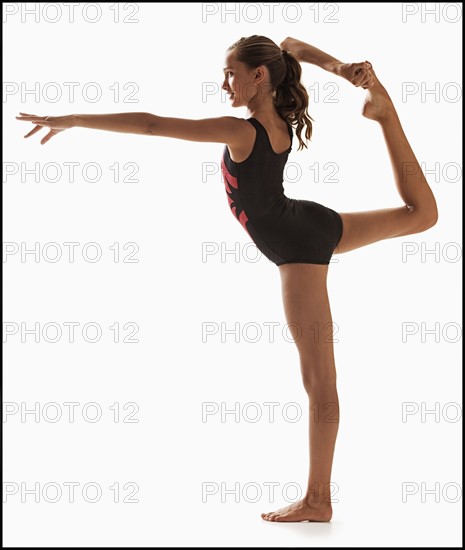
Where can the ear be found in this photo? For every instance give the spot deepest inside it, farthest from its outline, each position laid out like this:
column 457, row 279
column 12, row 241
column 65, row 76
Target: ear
column 260, row 74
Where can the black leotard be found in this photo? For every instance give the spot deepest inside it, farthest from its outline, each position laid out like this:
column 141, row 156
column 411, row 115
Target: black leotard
column 285, row 230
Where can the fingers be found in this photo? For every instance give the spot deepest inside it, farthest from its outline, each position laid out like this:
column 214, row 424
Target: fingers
column 372, row 77
column 33, row 131
column 26, row 117
column 31, row 118
column 368, row 81
column 46, row 138
column 370, row 68
column 362, row 75
column 39, row 122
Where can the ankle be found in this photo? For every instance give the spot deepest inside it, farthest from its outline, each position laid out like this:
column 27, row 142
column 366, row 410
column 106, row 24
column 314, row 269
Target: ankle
column 318, row 500
column 389, row 117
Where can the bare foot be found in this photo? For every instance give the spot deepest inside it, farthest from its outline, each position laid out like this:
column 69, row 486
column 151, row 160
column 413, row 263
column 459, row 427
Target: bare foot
column 378, row 105
column 300, row 511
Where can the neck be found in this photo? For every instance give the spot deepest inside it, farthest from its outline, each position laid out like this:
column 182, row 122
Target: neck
column 263, row 109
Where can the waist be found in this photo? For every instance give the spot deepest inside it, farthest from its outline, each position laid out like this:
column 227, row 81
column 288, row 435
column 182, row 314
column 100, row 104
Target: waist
column 269, row 207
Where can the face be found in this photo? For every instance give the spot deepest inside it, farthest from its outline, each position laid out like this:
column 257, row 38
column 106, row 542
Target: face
column 240, row 82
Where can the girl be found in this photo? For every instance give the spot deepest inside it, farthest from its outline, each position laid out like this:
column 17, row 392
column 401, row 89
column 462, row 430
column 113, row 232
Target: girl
column 299, row 236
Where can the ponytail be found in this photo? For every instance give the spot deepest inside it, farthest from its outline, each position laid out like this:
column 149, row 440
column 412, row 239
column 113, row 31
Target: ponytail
column 291, row 99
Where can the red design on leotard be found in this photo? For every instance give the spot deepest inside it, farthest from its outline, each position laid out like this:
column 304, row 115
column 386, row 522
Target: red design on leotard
column 230, row 179
column 232, row 188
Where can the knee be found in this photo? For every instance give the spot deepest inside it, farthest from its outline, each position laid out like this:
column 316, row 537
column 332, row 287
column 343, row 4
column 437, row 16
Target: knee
column 317, row 378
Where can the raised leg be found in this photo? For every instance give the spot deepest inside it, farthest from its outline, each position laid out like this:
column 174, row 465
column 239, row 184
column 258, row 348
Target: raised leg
column 419, row 212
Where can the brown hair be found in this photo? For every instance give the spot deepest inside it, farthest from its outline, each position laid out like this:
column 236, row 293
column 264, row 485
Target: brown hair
column 289, row 95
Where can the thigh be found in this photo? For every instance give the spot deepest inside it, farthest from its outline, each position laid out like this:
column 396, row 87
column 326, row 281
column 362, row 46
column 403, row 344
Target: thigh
column 363, row 228
column 308, row 314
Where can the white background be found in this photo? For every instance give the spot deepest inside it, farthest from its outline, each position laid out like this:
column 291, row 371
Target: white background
column 172, row 53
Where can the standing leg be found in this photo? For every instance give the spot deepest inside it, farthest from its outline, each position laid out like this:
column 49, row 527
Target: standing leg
column 419, row 212
column 308, row 314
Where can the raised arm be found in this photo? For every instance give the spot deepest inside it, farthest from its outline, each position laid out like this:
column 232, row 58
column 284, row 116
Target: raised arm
column 227, row 129
column 357, row 74
column 309, row 54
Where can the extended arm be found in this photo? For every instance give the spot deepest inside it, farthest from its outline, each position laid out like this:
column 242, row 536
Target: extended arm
column 128, row 123
column 227, row 129
column 220, row 129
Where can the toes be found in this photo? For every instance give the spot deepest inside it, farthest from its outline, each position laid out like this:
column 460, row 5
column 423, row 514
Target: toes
column 272, row 516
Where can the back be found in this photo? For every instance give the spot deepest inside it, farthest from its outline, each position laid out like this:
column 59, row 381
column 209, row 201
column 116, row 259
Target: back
column 255, row 184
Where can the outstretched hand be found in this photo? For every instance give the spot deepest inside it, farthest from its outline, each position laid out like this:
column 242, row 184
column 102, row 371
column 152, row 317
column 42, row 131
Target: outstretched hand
column 358, row 74
column 56, row 124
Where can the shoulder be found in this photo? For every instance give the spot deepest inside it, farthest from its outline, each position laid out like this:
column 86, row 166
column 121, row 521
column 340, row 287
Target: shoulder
column 236, row 130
